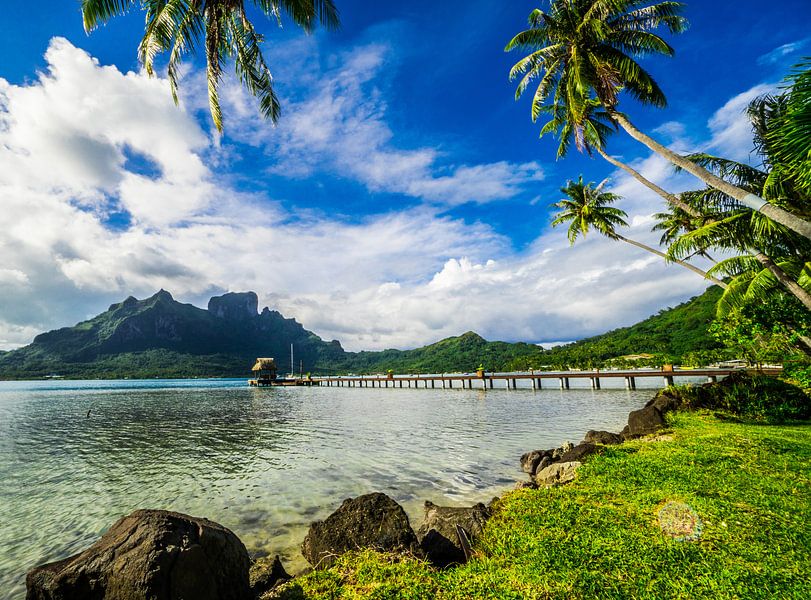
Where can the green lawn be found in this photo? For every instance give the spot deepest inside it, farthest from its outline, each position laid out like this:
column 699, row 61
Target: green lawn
column 600, row 536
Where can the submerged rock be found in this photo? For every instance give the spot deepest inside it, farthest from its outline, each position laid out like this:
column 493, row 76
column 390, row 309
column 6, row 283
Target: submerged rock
column 603, row 437
column 557, row 474
column 370, row 521
column 150, row 555
column 437, row 534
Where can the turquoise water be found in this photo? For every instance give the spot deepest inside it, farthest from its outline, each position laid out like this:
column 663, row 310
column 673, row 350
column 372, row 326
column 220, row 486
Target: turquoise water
column 263, row 462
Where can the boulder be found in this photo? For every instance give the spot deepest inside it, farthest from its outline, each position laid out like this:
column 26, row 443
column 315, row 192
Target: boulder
column 645, row 421
column 665, row 401
column 150, row 555
column 603, row 437
column 579, row 452
column 558, row 452
column 266, row 573
column 437, row 534
column 530, row 460
column 557, row 474
column 370, row 521
column 545, row 462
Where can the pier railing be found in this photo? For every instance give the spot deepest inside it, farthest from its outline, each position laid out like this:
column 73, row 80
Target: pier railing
column 490, row 380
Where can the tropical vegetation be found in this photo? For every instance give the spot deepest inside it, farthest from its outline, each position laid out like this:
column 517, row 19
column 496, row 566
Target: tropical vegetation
column 581, row 58
column 221, row 30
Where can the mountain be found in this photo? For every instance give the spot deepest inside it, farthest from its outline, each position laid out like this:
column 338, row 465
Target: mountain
column 160, row 337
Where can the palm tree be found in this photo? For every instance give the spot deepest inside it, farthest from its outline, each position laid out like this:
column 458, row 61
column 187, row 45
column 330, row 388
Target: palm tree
column 587, row 206
column 584, row 48
column 589, row 135
column 223, row 30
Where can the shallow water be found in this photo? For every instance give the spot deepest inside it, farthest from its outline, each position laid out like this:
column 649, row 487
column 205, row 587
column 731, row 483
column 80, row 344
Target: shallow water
column 263, row 462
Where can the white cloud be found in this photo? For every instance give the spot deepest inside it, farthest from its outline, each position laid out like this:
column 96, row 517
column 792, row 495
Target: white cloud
column 398, row 279
column 781, row 52
column 730, row 127
column 341, row 126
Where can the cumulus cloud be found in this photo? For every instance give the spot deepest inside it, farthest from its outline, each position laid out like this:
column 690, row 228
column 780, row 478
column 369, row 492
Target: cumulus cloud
column 341, row 126
column 731, row 128
column 73, row 145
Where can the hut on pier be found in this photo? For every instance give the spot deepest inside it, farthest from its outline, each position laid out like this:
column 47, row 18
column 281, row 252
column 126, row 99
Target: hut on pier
column 264, row 372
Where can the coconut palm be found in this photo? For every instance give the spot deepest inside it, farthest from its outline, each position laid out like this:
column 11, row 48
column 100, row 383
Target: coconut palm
column 222, row 30
column 587, row 206
column 581, row 49
column 589, row 134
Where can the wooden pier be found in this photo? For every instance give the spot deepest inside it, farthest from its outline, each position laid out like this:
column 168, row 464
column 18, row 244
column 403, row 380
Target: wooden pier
column 561, row 379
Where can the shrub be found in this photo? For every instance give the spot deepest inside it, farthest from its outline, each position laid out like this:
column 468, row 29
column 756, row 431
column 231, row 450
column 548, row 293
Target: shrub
column 755, row 397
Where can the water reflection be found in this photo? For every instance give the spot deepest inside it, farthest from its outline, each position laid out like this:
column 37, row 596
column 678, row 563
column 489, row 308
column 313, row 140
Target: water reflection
column 264, row 462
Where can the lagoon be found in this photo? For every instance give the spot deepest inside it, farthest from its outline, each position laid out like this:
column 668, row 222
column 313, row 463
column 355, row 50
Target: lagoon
column 264, row 462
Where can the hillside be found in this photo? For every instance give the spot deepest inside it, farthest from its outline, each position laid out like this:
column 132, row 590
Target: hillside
column 671, row 336
column 160, row 337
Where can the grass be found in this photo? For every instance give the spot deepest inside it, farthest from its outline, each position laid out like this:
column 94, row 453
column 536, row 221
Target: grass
column 600, row 536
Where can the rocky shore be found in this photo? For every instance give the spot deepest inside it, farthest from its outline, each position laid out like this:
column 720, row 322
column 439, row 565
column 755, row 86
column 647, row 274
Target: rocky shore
column 163, row 555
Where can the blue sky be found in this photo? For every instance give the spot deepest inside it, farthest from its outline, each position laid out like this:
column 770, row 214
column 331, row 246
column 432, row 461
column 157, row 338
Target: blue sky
column 403, row 197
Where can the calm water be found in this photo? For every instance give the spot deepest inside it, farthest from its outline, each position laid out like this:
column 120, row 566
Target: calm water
column 263, row 462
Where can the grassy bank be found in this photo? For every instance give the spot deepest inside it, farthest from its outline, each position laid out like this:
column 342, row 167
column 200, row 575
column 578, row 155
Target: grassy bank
column 600, row 536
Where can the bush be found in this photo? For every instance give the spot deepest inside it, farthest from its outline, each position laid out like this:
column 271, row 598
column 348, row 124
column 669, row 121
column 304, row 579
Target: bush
column 755, row 397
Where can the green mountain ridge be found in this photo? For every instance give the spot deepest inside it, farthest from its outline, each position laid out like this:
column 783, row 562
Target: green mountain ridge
column 160, row 337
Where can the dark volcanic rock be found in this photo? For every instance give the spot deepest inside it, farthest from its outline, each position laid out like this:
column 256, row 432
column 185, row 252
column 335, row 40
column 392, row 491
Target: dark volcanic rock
column 370, row 521
column 579, row 452
column 603, row 437
column 267, row 573
column 645, row 421
column 665, row 401
column 530, row 460
column 437, row 534
column 150, row 555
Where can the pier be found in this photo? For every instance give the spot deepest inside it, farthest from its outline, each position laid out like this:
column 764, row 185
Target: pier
column 537, row 379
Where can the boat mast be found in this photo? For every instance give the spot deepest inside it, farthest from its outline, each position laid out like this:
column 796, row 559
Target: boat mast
column 292, row 367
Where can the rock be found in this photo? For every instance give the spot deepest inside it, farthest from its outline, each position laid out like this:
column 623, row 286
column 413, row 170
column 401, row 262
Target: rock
column 557, row 474
column 437, row 534
column 370, row 521
column 645, row 421
column 530, row 460
column 626, row 433
column 579, row 452
column 150, row 554
column 234, row 306
column 522, row 485
column 603, row 437
column 558, row 452
column 545, row 462
column 267, row 573
column 665, row 401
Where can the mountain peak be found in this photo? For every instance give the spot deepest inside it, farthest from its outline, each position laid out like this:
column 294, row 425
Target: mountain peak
column 234, row 306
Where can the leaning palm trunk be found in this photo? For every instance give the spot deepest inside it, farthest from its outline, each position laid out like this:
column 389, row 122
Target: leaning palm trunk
column 785, row 279
column 683, row 263
column 752, row 201
column 671, row 198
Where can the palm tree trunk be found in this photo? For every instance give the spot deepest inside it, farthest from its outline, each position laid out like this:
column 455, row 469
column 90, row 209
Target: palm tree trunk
column 683, row 263
column 671, row 198
column 752, row 201
column 785, row 279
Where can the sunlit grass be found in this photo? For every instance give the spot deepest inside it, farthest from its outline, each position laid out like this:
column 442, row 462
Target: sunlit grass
column 600, row 537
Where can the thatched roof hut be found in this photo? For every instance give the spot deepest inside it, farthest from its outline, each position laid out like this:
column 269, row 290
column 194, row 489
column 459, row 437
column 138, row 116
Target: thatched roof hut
column 264, row 364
